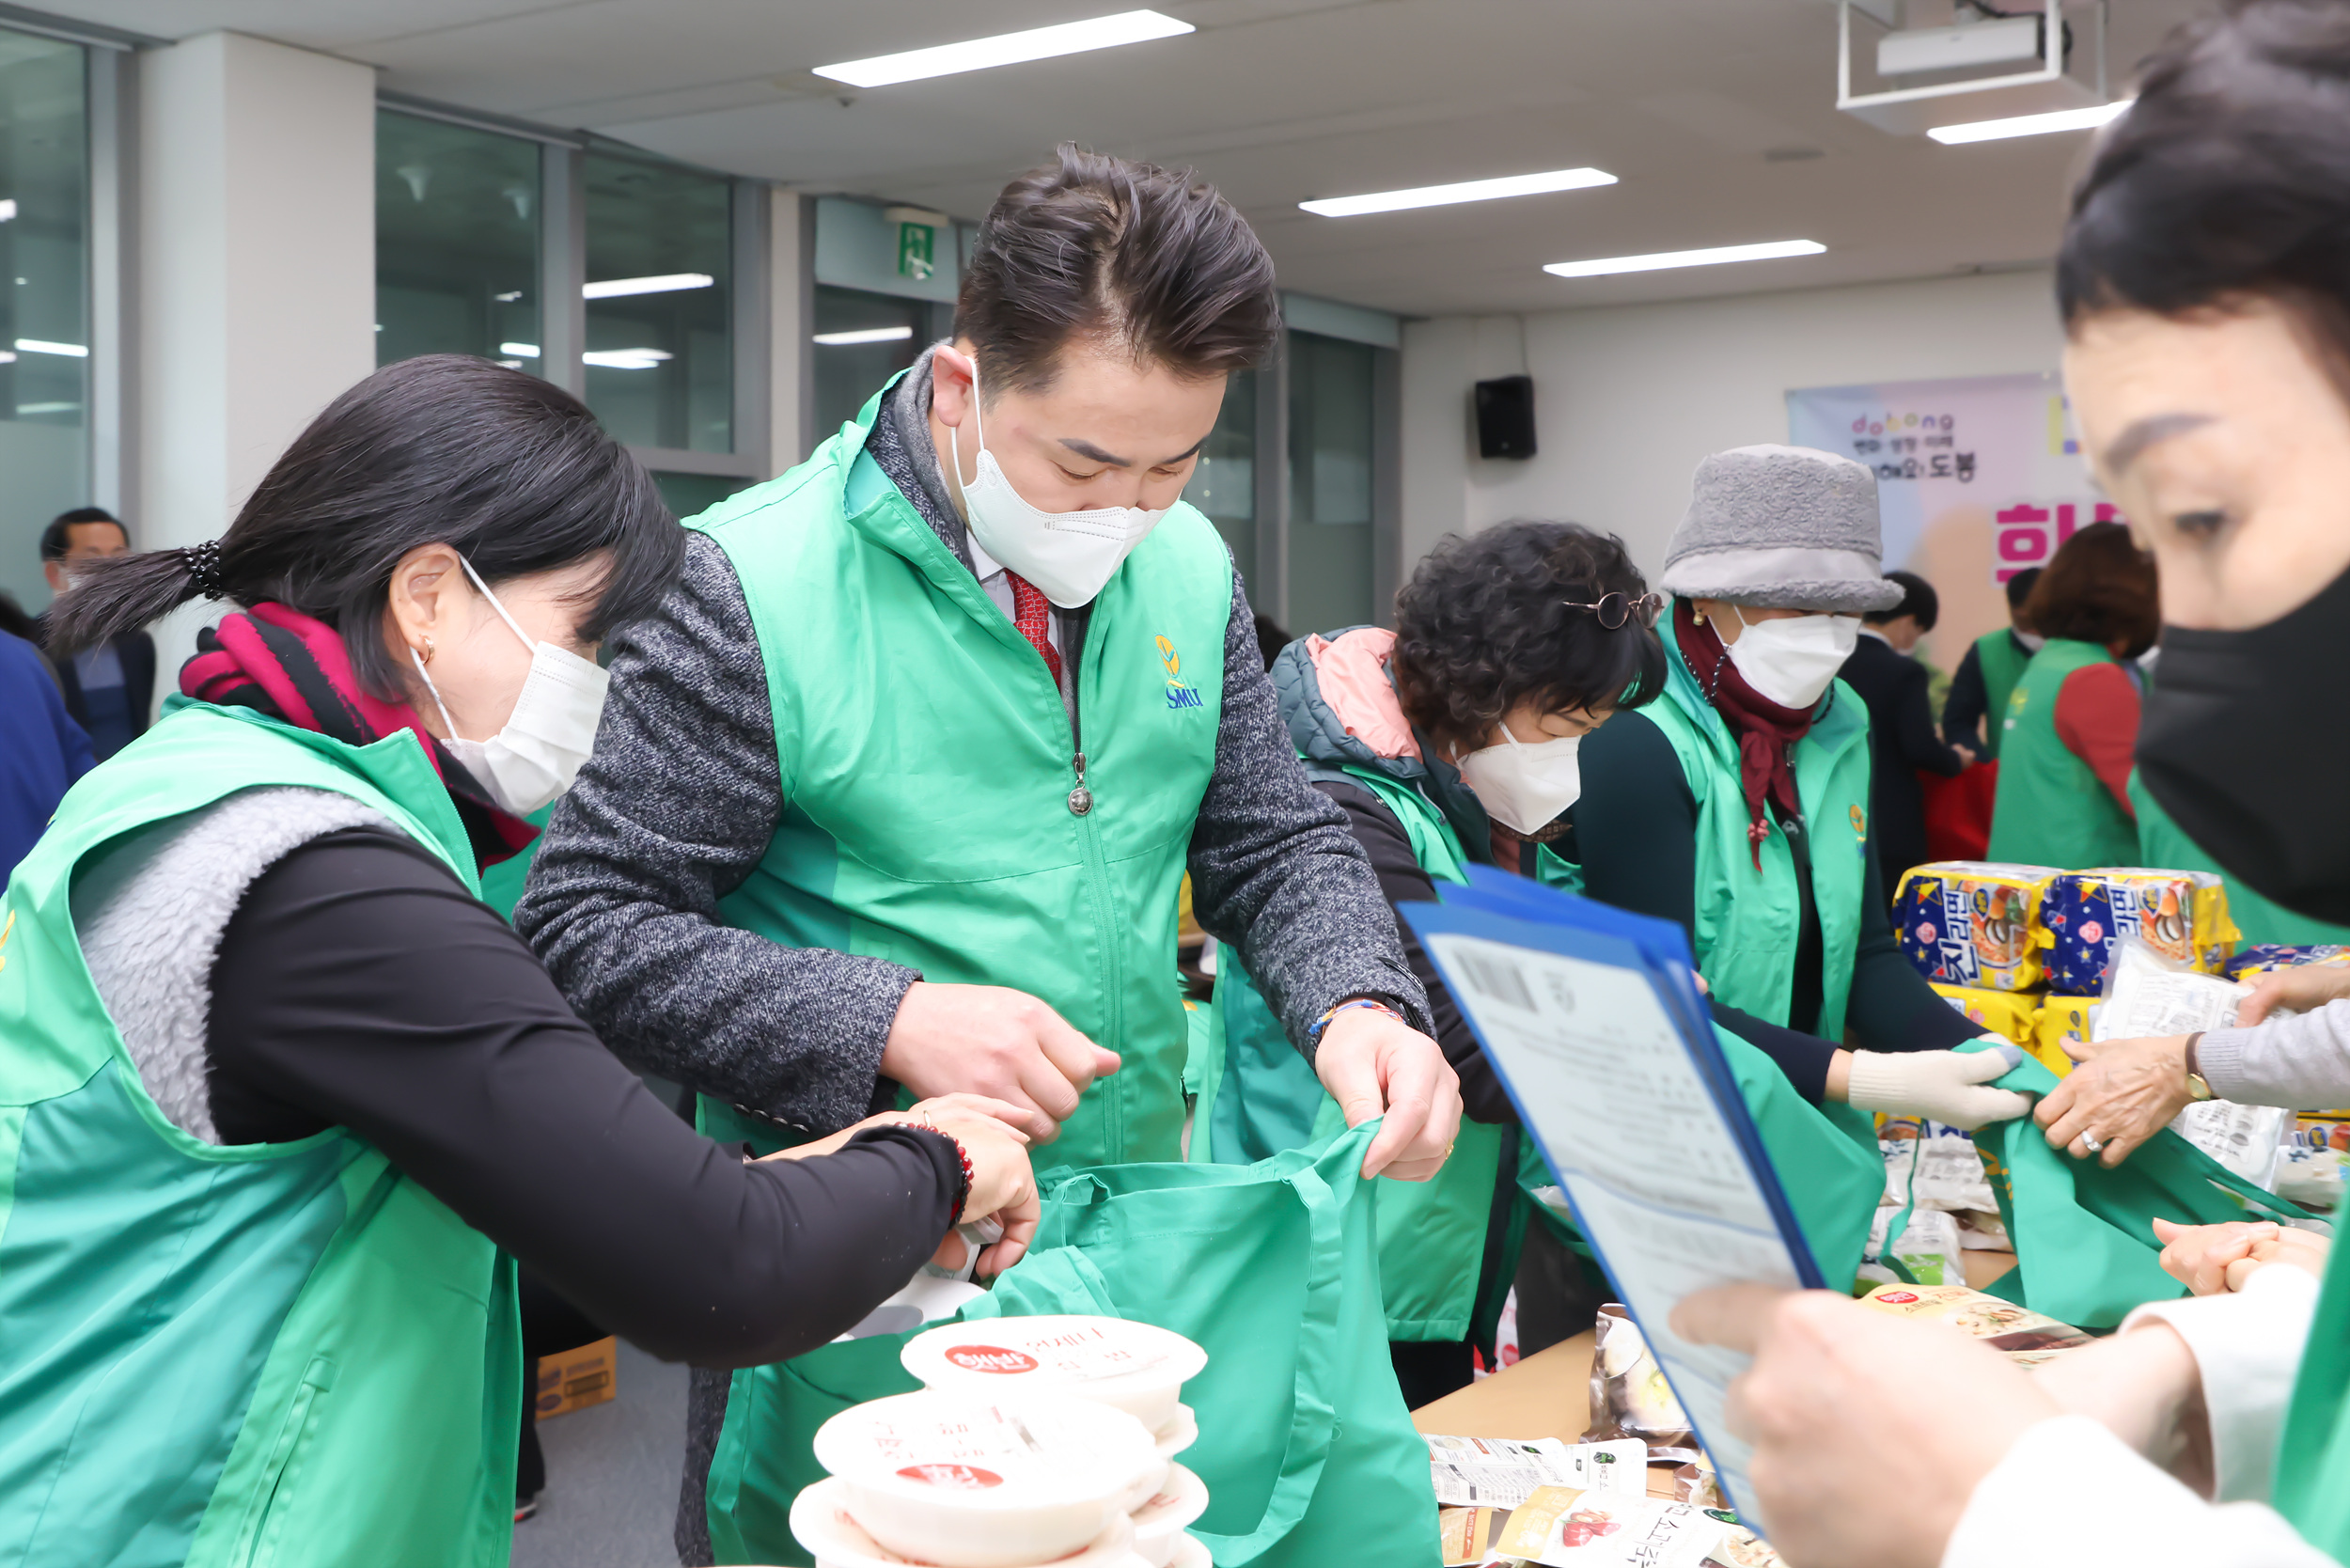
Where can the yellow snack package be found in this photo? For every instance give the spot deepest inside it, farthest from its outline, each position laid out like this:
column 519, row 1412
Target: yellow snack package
column 1973, row 923
column 2061, row 1018
column 2181, row 914
column 2005, row 1014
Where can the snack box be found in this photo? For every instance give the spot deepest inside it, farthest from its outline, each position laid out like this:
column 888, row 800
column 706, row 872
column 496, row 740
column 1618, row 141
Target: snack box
column 1135, row 1367
column 968, row 1482
column 2256, row 961
column 2024, row 1334
column 1159, row 1523
column 2060, row 1019
column 820, row 1521
column 2181, row 914
column 2008, row 1014
column 1972, row 923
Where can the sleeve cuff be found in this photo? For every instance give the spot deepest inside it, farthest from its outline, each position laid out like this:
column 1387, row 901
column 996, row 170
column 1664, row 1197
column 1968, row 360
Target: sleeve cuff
column 2249, row 1347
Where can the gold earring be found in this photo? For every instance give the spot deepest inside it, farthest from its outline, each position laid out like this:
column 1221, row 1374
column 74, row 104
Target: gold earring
column 1697, row 616
column 427, row 650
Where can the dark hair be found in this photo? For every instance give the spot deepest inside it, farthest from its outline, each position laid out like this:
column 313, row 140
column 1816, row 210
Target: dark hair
column 2228, row 179
column 14, row 621
column 510, row 472
column 1483, row 625
column 1271, row 638
column 1151, row 262
column 1918, row 599
column 2100, row 588
column 56, row 539
column 2019, row 589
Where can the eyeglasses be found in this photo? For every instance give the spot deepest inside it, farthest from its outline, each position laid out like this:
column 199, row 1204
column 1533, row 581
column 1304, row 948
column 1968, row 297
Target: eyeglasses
column 1614, row 609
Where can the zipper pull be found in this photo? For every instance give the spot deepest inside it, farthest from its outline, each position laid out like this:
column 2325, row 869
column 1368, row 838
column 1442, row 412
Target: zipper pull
column 1080, row 798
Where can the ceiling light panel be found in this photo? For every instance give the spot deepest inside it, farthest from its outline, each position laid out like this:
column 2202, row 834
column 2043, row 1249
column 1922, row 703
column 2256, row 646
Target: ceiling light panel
column 2029, row 125
column 666, row 283
column 1037, row 43
column 863, row 335
column 1605, row 266
column 1470, row 190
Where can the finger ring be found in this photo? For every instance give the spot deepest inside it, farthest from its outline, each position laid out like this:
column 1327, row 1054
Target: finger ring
column 1450, row 1147
column 2093, row 1145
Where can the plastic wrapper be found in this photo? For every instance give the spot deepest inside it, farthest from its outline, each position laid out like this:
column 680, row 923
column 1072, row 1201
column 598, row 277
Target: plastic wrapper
column 1927, row 1247
column 1973, row 923
column 2310, row 1177
column 2181, row 914
column 1564, row 1527
column 2060, row 1019
column 1742, row 1548
column 1491, row 1472
column 2149, row 996
column 2027, row 1335
column 2010, row 1014
column 2250, row 963
column 1934, row 1167
column 1629, row 1395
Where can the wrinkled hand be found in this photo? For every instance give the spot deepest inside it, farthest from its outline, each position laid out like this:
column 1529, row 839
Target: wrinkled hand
column 2303, row 988
column 1951, row 1086
column 992, row 1041
column 1869, row 1431
column 1375, row 1066
column 2213, row 1259
column 2122, row 1093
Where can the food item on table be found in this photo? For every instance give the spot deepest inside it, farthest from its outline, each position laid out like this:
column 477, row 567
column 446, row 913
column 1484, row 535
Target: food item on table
column 1467, row 1534
column 1177, row 1435
column 969, row 1482
column 2018, row 1330
column 2060, row 1019
column 1137, row 1367
column 1159, row 1523
column 1742, row 1548
column 2182, row 915
column 1971, row 923
column 1927, row 1247
column 1932, row 1166
column 2008, row 1014
column 1630, row 1397
column 820, row 1521
column 2252, row 963
column 1566, row 1528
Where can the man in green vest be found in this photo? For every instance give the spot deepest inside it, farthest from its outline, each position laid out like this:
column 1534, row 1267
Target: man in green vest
column 1988, row 673
column 899, row 790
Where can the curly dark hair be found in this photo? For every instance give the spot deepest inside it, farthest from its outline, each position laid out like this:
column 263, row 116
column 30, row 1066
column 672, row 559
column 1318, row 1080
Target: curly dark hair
column 1483, row 625
column 2100, row 588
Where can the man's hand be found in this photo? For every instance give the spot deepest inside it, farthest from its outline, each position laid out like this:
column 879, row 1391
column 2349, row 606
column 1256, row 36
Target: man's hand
column 2124, row 1092
column 1871, row 1432
column 996, row 1041
column 2302, row 988
column 1374, row 1066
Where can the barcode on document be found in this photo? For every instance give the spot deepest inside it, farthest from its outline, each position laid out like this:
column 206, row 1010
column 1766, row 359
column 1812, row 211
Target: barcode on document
column 1498, row 980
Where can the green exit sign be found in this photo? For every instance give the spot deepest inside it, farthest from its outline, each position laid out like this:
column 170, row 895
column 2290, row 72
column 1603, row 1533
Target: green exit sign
column 916, row 254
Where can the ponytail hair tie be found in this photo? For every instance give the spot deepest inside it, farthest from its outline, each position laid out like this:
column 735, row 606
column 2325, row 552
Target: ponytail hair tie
column 204, row 568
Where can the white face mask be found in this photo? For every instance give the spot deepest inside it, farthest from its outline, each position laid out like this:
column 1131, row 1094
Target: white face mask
column 1523, row 787
column 550, row 730
column 1792, row 661
column 1068, row 556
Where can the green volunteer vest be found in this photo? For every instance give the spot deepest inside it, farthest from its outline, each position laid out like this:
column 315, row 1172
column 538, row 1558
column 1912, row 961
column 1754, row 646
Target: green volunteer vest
column 2002, row 663
column 2163, row 842
column 2052, row 809
column 268, row 1353
column 927, row 771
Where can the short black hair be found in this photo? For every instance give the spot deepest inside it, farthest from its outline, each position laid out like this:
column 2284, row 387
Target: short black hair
column 1484, row 625
column 2099, row 587
column 510, row 472
column 1152, row 263
column 2019, row 587
column 1918, row 599
column 2228, row 179
column 56, row 539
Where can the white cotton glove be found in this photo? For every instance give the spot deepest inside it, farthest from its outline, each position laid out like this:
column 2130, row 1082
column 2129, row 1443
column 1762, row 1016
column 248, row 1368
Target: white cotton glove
column 1949, row 1087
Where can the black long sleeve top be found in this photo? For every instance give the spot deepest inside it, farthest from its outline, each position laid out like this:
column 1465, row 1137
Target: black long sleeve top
column 359, row 985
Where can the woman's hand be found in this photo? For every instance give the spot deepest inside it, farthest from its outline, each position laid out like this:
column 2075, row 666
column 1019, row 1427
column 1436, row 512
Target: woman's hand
column 1949, row 1087
column 2213, row 1260
column 2303, row 988
column 2124, row 1092
column 1003, row 1186
column 1870, row 1431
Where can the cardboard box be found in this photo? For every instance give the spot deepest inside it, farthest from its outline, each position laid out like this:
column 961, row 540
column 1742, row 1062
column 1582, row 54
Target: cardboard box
column 575, row 1379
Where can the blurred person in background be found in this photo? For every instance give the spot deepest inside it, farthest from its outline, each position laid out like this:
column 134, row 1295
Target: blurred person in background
column 1885, row 670
column 2070, row 730
column 42, row 752
column 109, row 689
column 1987, row 675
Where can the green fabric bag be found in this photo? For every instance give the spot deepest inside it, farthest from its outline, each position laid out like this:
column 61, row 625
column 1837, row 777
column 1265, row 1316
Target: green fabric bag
column 1307, row 1452
column 2085, row 1247
column 2312, row 1487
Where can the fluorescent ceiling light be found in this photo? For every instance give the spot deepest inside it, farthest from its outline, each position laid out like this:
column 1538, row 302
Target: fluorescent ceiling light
column 7, row 209
column 8, row 356
column 1661, row 259
column 626, row 359
column 666, row 283
column 2029, row 125
column 1037, row 43
column 520, row 350
column 1470, row 190
column 863, row 335
column 72, row 350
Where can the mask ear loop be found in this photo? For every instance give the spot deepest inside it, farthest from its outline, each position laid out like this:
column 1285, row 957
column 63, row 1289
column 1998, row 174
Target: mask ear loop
column 528, row 641
column 954, row 442
column 447, row 723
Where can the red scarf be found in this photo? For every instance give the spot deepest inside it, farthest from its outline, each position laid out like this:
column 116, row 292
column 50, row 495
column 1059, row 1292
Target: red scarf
column 293, row 667
column 1766, row 732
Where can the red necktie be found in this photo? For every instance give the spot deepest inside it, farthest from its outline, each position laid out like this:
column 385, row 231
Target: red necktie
column 1033, row 615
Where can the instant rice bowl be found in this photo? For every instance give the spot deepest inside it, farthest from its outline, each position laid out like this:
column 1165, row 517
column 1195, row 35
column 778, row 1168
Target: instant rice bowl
column 820, row 1521
column 1159, row 1523
column 1135, row 1367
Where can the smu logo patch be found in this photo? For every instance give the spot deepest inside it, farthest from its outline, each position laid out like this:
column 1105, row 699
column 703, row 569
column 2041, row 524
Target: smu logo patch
column 1178, row 693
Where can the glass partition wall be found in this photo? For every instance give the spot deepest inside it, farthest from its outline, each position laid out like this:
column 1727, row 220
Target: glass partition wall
column 457, row 253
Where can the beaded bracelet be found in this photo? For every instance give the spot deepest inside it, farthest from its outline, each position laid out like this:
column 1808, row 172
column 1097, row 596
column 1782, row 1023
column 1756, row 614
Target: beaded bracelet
column 963, row 1158
column 1324, row 1022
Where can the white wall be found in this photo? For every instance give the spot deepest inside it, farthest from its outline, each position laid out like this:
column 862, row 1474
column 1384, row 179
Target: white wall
column 257, row 272
column 1627, row 398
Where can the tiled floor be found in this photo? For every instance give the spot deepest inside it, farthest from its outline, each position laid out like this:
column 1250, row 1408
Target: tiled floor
column 612, row 1476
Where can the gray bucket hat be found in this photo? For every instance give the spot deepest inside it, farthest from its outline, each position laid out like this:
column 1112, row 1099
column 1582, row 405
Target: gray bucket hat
column 1786, row 527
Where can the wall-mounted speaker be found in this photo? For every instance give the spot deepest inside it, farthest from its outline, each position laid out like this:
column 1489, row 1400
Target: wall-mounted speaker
column 1505, row 417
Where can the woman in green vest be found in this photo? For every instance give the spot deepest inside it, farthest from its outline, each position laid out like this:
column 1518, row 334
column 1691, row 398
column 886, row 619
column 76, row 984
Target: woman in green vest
column 2071, row 724
column 2204, row 283
column 281, row 1100
column 1736, row 805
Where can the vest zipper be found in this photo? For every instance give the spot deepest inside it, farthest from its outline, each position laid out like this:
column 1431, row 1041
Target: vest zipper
column 1098, row 895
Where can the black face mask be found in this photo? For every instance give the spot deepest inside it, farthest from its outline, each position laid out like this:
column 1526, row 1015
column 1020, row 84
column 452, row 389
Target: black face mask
column 2245, row 743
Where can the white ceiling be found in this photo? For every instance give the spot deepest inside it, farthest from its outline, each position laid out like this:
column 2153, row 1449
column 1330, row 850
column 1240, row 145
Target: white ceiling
column 1277, row 101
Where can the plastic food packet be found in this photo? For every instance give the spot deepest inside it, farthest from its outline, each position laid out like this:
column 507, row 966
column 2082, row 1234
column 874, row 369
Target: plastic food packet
column 2024, row 1334
column 1569, row 1528
column 1742, row 1548
column 2008, row 1014
column 1973, row 923
column 2151, row 995
column 1928, row 1248
column 1467, row 1534
column 2253, row 962
column 1490, row 1472
column 2181, row 914
column 2311, row 1177
column 1629, row 1395
column 1979, row 1232
column 2060, row 1019
column 1932, row 1166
